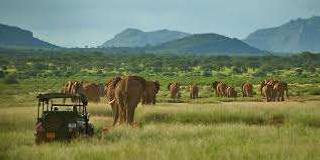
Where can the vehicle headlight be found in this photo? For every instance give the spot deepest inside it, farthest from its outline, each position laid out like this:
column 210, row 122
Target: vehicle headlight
column 72, row 126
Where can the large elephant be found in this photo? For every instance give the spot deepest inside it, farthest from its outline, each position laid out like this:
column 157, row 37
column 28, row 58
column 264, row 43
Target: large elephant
column 92, row 91
column 231, row 92
column 149, row 95
column 109, row 91
column 174, row 89
column 279, row 89
column 220, row 88
column 194, row 91
column 247, row 89
column 264, row 83
column 128, row 94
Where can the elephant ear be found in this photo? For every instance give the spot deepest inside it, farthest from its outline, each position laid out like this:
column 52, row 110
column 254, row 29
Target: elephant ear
column 169, row 86
column 214, row 84
column 115, row 81
column 157, row 85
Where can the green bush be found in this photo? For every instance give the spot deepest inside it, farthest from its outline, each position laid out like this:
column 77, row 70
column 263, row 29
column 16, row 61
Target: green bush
column 2, row 74
column 10, row 79
column 314, row 91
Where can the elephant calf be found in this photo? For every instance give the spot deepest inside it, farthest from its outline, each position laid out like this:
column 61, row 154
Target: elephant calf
column 174, row 89
column 231, row 92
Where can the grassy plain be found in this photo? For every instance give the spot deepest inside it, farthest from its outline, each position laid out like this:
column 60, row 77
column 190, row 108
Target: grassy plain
column 220, row 130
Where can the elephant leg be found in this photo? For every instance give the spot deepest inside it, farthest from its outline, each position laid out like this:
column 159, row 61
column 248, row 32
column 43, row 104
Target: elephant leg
column 121, row 111
column 144, row 100
column 154, row 99
column 130, row 114
column 269, row 97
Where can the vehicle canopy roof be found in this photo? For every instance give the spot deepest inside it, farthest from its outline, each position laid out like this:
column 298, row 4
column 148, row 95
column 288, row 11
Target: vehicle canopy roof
column 47, row 96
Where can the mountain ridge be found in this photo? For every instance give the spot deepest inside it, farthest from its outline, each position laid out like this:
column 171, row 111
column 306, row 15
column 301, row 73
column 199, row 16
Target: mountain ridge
column 132, row 37
column 207, row 43
column 294, row 36
column 12, row 36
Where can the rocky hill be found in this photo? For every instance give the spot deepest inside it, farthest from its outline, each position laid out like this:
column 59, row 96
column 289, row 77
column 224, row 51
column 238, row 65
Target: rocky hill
column 295, row 36
column 137, row 38
column 16, row 37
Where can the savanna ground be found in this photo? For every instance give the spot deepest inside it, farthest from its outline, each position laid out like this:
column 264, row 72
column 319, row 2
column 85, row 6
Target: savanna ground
column 207, row 128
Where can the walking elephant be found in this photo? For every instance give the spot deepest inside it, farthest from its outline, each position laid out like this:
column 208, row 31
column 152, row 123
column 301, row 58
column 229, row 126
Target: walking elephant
column 174, row 89
column 194, row 91
column 109, row 91
column 231, row 92
column 128, row 94
column 220, row 88
column 92, row 91
column 267, row 91
column 279, row 89
column 149, row 95
column 247, row 89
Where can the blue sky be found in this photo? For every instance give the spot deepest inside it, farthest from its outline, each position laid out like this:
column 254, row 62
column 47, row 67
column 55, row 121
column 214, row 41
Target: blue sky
column 76, row 23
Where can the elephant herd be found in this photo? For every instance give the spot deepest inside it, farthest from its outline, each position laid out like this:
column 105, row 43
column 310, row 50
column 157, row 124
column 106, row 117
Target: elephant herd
column 125, row 93
column 274, row 90
column 223, row 90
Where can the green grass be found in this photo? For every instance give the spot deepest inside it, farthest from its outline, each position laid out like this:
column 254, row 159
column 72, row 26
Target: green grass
column 205, row 128
column 228, row 130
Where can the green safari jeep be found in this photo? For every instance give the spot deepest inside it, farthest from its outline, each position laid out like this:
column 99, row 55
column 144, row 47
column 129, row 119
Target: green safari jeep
column 61, row 121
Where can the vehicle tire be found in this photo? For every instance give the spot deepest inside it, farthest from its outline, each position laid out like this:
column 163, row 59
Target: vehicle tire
column 90, row 129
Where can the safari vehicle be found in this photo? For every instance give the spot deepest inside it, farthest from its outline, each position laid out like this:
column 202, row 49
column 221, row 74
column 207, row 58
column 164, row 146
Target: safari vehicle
column 61, row 121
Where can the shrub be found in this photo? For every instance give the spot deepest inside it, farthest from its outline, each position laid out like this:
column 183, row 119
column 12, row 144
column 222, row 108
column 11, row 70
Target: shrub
column 2, row 74
column 314, row 91
column 10, row 79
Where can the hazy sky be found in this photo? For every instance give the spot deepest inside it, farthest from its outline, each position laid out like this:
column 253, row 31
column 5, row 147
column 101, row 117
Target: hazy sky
column 72, row 23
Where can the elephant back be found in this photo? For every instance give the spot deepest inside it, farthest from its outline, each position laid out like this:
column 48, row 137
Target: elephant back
column 140, row 79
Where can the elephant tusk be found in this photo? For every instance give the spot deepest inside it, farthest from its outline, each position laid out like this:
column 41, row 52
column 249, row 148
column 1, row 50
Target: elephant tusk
column 112, row 101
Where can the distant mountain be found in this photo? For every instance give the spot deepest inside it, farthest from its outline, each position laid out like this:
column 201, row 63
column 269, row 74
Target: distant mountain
column 294, row 36
column 137, row 38
column 16, row 37
column 207, row 44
